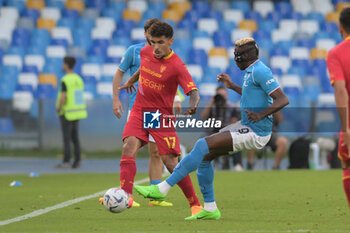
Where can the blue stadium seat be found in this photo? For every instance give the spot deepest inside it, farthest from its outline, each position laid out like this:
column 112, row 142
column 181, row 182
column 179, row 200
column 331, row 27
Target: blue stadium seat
column 319, row 17
column 30, row 69
column 105, row 78
column 98, row 51
column 6, row 126
column 6, row 89
column 9, row 70
column 253, row 15
column 31, row 13
column 21, row 37
column 21, row 51
column 235, row 74
column 285, row 44
column 40, row 50
column 124, row 41
column 1, row 55
column 126, row 24
column 308, row 43
column 86, row 24
column 200, row 33
column 222, row 39
column 186, row 24
column 283, row 7
column 118, row 5
column 227, row 25
column 121, row 33
column 182, row 53
column 277, row 71
column 151, row 13
column 95, row 60
column 201, row 6
column 266, row 44
column 321, row 35
column 67, row 22
column 101, row 43
column 297, row 70
column 20, row 5
column 279, row 51
column 213, row 14
column 61, row 42
column 89, row 80
column 198, row 56
column 210, row 75
column 329, row 27
column 45, row 91
column 157, row 5
column 267, row 25
column 40, row 37
column 112, row 13
column 311, row 92
column 26, row 87
column 182, row 44
column 261, row 34
column 274, row 16
column 192, row 15
column 115, row 60
column 97, row 4
column 55, row 3
column 82, row 39
column 70, row 13
column 241, row 5
column 294, row 15
column 301, row 63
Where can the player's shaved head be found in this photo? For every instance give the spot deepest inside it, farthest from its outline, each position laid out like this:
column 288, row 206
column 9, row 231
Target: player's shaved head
column 160, row 28
column 344, row 19
column 149, row 23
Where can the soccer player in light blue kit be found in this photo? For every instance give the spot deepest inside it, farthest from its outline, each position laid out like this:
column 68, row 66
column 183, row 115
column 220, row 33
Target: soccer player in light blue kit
column 261, row 97
column 131, row 61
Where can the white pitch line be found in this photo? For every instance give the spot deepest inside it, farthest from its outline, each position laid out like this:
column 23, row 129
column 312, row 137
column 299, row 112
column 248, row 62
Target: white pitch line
column 61, row 205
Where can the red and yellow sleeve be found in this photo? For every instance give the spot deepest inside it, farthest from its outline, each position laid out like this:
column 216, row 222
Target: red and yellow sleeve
column 185, row 79
column 335, row 68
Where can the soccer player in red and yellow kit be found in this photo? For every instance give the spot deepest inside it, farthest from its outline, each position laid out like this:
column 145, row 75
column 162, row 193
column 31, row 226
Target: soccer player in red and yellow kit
column 338, row 63
column 160, row 73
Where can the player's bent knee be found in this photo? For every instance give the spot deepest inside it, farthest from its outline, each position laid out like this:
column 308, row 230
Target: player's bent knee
column 282, row 141
column 130, row 148
column 201, row 146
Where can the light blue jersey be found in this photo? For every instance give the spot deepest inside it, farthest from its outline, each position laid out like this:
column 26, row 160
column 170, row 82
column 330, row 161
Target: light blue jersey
column 132, row 61
column 257, row 86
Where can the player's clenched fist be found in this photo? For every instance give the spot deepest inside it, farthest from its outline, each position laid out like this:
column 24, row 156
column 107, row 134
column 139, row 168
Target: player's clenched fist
column 225, row 79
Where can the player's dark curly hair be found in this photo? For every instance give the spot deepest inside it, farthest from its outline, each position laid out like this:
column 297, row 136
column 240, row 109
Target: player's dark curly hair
column 70, row 61
column 159, row 29
column 149, row 23
column 344, row 19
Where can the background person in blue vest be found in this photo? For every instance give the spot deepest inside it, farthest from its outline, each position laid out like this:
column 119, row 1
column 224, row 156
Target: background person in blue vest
column 71, row 108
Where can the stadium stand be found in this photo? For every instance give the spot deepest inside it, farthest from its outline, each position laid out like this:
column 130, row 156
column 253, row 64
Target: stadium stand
column 294, row 37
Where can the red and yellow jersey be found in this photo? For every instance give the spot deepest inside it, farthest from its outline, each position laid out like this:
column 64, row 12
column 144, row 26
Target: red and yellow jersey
column 159, row 80
column 338, row 63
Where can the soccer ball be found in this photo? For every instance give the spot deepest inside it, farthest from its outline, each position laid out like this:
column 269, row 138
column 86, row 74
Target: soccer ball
column 116, row 200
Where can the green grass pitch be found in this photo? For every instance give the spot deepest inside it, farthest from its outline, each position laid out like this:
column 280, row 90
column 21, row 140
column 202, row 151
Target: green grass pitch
column 270, row 201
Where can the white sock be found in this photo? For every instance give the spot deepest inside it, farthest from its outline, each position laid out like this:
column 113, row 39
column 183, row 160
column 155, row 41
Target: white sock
column 210, row 206
column 164, row 187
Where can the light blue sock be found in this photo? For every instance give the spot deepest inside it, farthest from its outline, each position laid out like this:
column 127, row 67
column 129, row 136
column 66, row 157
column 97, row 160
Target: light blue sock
column 155, row 182
column 190, row 162
column 205, row 176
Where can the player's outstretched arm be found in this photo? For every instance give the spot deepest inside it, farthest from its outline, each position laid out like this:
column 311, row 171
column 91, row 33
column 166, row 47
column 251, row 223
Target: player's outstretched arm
column 226, row 80
column 194, row 101
column 117, row 81
column 279, row 101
